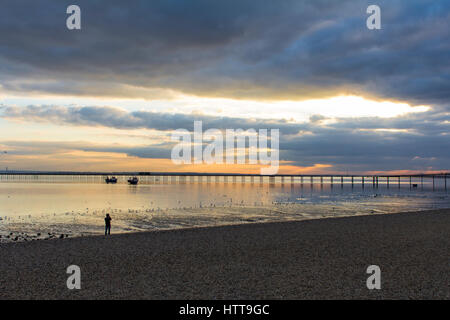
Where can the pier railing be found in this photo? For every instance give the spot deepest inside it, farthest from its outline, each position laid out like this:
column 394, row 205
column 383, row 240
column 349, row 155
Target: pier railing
column 414, row 180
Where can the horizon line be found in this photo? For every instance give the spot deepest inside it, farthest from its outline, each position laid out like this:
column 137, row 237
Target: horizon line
column 170, row 173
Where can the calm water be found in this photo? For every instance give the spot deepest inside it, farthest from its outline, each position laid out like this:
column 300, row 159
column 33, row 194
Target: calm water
column 74, row 207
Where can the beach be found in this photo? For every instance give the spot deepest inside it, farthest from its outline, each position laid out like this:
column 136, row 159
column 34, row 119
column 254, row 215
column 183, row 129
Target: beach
column 311, row 259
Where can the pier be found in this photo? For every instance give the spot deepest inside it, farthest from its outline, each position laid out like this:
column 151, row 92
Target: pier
column 438, row 180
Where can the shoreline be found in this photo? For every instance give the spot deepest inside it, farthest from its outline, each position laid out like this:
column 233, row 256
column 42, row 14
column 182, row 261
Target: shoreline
column 309, row 259
column 18, row 236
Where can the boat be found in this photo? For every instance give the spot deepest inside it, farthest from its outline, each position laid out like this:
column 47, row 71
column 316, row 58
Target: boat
column 111, row 180
column 133, row 181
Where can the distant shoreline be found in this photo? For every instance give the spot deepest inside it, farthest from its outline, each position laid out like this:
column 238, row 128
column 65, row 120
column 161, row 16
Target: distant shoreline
column 310, row 259
column 442, row 174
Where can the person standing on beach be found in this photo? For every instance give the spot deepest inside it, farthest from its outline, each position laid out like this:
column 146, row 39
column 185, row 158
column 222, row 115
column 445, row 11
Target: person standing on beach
column 107, row 224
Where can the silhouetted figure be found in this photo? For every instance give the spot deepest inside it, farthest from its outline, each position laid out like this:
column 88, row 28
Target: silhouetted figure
column 107, row 224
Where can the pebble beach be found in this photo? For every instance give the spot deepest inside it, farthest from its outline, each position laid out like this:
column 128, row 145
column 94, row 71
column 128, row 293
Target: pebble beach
column 311, row 259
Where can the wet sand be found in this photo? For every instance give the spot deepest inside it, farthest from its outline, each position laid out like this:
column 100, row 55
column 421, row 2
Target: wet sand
column 313, row 259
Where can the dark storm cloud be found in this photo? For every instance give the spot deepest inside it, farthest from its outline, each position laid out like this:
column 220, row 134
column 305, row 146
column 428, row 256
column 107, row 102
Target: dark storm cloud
column 121, row 119
column 247, row 48
column 412, row 141
column 370, row 150
column 154, row 151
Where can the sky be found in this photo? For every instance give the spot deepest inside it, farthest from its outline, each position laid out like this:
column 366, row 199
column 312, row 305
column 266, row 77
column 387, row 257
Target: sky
column 345, row 99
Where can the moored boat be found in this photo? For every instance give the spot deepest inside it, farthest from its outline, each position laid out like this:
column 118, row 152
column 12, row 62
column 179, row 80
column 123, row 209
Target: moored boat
column 111, row 180
column 133, row 181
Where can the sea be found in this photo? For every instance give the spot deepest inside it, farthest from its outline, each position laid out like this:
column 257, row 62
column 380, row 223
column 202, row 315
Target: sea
column 45, row 207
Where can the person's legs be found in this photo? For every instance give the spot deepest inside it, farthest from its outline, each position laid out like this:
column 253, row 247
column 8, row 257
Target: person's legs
column 106, row 230
column 109, row 230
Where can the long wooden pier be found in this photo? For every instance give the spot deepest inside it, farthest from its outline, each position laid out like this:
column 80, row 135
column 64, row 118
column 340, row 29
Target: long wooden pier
column 413, row 180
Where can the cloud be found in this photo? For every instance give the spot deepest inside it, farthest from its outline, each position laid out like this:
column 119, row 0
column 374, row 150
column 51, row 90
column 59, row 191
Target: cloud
column 121, row 119
column 408, row 142
column 154, row 151
column 237, row 48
